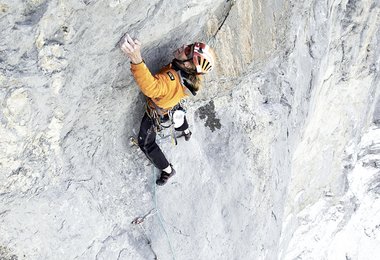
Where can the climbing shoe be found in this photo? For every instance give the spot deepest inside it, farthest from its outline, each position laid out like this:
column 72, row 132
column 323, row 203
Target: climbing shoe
column 187, row 136
column 165, row 176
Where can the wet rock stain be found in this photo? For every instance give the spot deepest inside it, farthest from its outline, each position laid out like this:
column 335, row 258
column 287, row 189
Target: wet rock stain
column 208, row 112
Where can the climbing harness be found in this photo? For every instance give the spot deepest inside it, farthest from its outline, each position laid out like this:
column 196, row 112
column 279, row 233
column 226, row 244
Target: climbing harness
column 163, row 118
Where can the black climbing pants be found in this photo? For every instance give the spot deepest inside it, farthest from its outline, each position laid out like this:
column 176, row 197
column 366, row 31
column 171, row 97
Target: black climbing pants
column 147, row 142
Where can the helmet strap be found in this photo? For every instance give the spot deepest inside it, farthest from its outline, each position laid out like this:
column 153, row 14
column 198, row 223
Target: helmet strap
column 190, row 87
column 185, row 74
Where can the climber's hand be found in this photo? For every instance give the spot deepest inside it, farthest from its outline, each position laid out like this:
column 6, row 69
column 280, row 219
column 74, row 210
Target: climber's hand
column 132, row 48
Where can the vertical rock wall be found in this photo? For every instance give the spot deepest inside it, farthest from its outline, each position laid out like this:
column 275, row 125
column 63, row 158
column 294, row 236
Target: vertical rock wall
column 276, row 130
column 324, row 202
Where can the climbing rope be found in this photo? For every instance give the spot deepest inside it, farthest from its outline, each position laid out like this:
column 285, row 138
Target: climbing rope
column 160, row 218
column 139, row 220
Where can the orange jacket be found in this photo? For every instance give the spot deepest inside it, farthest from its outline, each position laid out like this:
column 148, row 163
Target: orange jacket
column 164, row 88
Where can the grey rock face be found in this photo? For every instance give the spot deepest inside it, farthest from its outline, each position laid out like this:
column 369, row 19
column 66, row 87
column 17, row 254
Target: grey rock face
column 285, row 131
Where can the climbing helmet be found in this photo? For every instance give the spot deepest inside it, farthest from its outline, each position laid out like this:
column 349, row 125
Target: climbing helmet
column 203, row 57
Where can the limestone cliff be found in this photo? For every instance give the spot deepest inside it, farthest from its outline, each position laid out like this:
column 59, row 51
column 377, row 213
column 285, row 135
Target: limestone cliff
column 284, row 158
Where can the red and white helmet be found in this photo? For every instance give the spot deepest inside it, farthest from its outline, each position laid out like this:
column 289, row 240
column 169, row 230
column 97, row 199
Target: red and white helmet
column 203, row 58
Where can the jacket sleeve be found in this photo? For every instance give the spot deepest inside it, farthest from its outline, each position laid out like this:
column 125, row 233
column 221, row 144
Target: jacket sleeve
column 152, row 86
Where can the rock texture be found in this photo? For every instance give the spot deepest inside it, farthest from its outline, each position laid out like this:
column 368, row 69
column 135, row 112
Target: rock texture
column 284, row 158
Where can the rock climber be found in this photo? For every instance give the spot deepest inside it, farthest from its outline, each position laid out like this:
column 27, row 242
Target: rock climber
column 164, row 93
